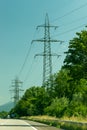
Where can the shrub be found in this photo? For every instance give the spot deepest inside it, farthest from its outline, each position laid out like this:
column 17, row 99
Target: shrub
column 57, row 107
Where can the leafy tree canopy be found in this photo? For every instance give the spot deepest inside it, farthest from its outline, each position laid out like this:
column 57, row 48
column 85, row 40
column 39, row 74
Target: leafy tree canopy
column 76, row 59
column 68, row 94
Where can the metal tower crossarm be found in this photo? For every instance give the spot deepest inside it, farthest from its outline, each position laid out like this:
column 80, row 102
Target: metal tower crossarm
column 17, row 89
column 47, row 55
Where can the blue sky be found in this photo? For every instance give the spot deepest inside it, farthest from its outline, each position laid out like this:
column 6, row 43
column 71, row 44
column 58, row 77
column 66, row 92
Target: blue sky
column 18, row 21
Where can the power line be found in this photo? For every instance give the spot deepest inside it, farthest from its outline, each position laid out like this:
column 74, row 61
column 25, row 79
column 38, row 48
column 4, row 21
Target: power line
column 70, row 30
column 26, row 57
column 16, row 84
column 74, row 21
column 70, row 12
column 47, row 55
column 29, row 71
column 25, row 60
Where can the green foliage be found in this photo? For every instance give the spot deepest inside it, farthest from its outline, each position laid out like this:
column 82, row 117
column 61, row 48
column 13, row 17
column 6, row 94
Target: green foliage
column 76, row 59
column 59, row 123
column 76, row 106
column 57, row 107
column 3, row 114
column 33, row 102
column 73, row 126
column 68, row 94
column 61, row 84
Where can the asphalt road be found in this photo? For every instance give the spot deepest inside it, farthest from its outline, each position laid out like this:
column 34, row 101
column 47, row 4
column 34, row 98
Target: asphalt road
column 13, row 124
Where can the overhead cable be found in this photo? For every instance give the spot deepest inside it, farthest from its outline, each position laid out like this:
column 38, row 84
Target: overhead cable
column 23, row 65
column 29, row 71
column 70, row 12
column 74, row 21
column 70, row 30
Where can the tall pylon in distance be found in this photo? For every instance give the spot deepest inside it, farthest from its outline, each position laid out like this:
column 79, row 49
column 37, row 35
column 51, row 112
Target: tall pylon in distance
column 47, row 55
column 16, row 84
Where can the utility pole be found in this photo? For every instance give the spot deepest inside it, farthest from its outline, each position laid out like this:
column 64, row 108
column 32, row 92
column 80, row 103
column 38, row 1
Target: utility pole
column 47, row 55
column 16, row 84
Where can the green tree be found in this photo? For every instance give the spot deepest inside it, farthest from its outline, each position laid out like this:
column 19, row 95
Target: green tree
column 3, row 114
column 61, row 85
column 57, row 107
column 76, row 106
column 33, row 102
column 76, row 59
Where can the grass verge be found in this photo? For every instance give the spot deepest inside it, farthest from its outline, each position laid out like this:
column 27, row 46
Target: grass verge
column 72, row 123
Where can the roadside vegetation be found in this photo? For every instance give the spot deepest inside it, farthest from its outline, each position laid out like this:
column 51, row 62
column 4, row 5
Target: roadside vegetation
column 68, row 123
column 3, row 114
column 67, row 97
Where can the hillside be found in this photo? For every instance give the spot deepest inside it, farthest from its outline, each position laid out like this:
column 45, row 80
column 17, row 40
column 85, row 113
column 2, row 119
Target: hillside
column 6, row 107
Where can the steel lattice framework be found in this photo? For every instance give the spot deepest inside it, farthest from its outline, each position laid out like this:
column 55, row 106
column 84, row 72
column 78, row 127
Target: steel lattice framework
column 47, row 55
column 16, row 84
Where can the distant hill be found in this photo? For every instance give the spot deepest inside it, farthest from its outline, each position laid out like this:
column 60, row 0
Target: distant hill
column 6, row 107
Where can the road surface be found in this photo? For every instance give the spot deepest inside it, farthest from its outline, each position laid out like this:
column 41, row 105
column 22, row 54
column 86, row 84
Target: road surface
column 15, row 124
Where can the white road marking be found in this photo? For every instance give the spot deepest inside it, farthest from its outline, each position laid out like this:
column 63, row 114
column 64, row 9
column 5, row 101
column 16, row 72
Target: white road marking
column 31, row 126
column 20, row 122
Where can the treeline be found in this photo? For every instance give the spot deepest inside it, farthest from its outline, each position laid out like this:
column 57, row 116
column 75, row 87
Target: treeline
column 68, row 94
column 3, row 114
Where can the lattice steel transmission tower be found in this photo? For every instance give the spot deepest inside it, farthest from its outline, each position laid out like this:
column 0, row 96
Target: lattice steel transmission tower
column 47, row 55
column 16, row 84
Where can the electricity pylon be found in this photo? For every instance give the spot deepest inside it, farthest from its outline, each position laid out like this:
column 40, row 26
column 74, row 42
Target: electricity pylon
column 17, row 89
column 47, row 55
